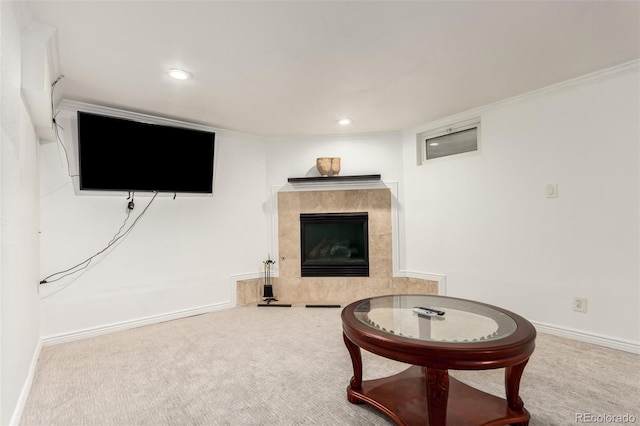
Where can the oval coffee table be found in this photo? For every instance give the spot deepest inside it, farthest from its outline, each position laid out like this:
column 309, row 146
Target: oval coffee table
column 467, row 335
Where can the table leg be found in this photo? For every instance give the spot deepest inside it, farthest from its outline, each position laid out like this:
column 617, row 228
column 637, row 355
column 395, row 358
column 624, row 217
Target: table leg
column 356, row 360
column 512, row 376
column 437, row 395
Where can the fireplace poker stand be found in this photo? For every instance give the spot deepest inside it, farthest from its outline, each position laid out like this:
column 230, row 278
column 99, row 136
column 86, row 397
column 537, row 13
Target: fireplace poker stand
column 268, row 287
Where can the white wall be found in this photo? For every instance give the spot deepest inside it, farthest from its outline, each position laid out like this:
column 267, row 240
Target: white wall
column 179, row 257
column 361, row 154
column 485, row 222
column 19, row 210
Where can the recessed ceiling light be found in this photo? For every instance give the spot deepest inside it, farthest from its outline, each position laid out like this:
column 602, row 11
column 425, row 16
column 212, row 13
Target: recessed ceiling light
column 179, row 74
column 344, row 121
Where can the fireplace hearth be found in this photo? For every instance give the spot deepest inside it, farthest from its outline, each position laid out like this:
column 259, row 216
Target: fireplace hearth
column 334, row 244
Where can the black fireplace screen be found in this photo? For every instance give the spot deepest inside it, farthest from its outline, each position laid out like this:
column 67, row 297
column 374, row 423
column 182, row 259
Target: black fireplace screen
column 334, row 244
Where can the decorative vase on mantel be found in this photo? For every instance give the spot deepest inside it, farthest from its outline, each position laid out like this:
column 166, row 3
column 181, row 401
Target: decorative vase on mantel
column 335, row 166
column 323, row 164
column 326, row 165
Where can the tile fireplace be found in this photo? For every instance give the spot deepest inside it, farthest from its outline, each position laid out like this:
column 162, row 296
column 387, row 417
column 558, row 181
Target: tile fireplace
column 294, row 285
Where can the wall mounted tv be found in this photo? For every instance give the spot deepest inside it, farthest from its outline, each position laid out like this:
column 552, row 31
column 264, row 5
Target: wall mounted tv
column 117, row 154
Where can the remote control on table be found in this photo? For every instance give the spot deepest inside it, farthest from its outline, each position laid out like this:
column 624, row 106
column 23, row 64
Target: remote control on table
column 427, row 311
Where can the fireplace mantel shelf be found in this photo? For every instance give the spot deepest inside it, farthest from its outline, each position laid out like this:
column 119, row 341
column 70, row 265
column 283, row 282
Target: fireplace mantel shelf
column 334, row 179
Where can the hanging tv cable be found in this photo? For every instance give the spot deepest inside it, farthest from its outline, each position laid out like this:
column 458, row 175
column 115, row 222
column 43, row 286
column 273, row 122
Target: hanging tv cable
column 56, row 127
column 116, row 237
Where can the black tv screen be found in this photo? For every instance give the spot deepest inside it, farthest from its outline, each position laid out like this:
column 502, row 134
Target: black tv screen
column 117, row 154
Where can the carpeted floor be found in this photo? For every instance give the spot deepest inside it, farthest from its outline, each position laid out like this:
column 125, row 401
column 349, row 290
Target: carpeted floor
column 286, row 366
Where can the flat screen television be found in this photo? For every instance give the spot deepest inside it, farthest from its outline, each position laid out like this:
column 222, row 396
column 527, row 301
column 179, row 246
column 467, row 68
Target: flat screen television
column 117, row 154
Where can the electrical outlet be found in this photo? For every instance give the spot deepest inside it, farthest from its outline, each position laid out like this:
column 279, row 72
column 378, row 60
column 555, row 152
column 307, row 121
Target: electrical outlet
column 580, row 304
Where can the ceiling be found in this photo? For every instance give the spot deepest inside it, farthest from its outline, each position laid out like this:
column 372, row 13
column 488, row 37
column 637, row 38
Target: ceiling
column 296, row 67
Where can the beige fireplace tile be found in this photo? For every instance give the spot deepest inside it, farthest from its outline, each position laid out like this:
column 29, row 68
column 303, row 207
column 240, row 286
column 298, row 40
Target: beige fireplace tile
column 240, row 293
column 382, row 214
column 290, row 252
column 308, row 201
column 288, row 202
column 380, row 199
column 319, row 289
column 334, row 201
column 399, row 285
column 254, row 291
column 356, row 201
column 289, row 235
column 379, row 222
column 414, row 286
column 314, row 202
column 289, row 267
column 380, row 247
column 372, row 287
column 340, row 290
column 379, row 232
column 248, row 291
column 352, row 291
column 289, row 222
column 377, row 228
column 418, row 286
column 359, row 282
column 287, row 290
column 359, row 289
column 380, row 268
column 375, row 287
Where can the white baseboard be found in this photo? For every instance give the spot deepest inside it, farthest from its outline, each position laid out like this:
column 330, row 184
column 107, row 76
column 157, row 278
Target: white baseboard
column 125, row 325
column 439, row 278
column 606, row 341
column 582, row 336
column 26, row 387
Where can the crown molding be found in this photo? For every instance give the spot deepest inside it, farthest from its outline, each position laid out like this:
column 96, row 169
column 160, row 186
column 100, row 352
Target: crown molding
column 615, row 71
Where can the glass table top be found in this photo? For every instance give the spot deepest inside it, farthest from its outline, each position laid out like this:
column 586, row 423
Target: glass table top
column 458, row 320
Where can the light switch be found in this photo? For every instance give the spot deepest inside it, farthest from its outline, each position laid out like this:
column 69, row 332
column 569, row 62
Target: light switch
column 552, row 190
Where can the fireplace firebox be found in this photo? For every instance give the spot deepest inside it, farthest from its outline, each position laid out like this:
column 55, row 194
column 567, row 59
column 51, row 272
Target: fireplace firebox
column 334, row 244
